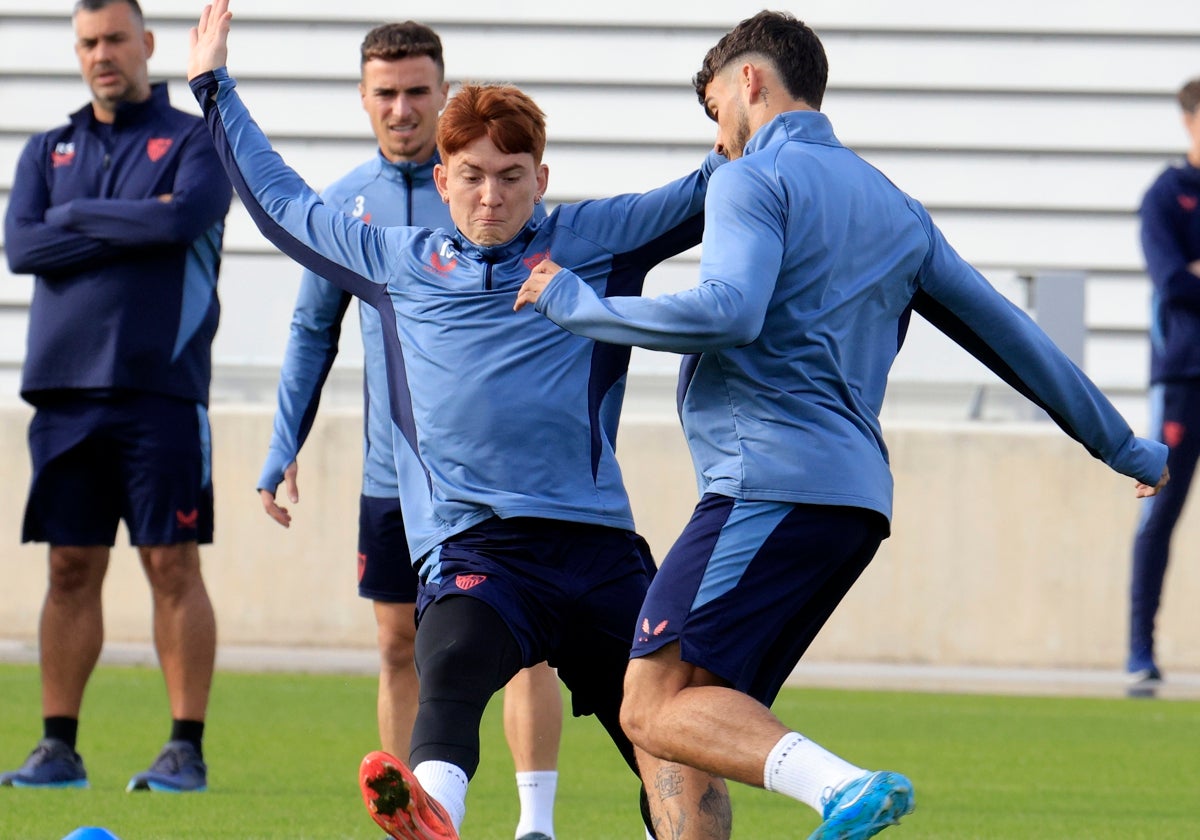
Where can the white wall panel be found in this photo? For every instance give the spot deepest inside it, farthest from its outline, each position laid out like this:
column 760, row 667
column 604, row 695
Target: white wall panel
column 1115, row 17
column 1030, row 130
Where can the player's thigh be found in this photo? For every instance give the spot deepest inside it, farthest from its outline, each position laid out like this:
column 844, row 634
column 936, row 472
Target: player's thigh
column 749, row 584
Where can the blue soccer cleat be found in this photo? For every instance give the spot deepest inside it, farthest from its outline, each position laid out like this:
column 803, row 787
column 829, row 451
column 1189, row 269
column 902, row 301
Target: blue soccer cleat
column 178, row 769
column 865, row 806
column 52, row 764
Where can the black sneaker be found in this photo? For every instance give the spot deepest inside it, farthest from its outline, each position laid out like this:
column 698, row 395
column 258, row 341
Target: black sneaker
column 52, row 764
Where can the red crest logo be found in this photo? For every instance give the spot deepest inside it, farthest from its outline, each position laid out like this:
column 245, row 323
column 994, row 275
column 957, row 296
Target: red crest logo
column 468, row 581
column 532, row 262
column 435, row 259
column 1188, row 202
column 187, row 520
column 157, row 147
column 58, row 159
column 362, row 565
column 1173, row 432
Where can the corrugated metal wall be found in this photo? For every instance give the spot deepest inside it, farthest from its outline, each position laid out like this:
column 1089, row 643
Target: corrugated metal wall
column 1029, row 129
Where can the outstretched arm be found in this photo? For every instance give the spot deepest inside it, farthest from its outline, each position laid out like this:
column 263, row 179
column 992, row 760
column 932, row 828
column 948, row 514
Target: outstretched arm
column 726, row 309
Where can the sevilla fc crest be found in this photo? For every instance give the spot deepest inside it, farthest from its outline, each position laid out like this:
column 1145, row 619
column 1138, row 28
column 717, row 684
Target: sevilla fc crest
column 157, row 147
column 469, row 581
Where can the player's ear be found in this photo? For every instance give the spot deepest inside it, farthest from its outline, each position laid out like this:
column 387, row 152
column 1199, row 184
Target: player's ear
column 441, row 181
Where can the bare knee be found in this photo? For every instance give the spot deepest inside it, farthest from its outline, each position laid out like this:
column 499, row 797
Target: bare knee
column 396, row 633
column 76, row 571
column 645, row 701
column 172, row 570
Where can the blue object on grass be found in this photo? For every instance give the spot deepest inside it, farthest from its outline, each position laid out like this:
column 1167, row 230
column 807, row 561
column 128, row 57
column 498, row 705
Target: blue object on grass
column 91, row 832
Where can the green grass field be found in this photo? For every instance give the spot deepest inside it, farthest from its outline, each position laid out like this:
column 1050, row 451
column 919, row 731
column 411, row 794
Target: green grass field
column 283, row 753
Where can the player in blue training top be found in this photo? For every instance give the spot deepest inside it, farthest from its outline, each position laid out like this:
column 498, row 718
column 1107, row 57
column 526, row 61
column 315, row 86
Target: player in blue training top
column 504, row 426
column 811, row 265
column 1170, row 233
column 120, row 215
column 403, row 89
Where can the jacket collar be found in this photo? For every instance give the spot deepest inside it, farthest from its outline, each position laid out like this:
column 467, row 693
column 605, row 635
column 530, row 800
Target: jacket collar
column 809, row 126
column 498, row 253
column 129, row 113
column 413, row 174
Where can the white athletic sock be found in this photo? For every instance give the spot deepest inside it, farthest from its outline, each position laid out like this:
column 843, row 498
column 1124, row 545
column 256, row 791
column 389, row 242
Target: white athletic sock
column 804, row 770
column 535, row 790
column 446, row 783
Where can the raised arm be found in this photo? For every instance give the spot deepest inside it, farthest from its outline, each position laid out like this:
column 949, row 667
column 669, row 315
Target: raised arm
column 356, row 257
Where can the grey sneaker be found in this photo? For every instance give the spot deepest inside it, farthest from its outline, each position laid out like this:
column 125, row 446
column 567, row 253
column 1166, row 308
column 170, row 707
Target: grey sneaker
column 178, row 769
column 52, row 764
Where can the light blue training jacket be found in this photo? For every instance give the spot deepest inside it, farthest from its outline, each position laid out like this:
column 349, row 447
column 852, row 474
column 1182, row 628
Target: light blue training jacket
column 812, row 264
column 378, row 192
column 494, row 412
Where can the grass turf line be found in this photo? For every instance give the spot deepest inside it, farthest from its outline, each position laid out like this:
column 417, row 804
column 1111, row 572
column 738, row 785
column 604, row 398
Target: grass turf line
column 283, row 752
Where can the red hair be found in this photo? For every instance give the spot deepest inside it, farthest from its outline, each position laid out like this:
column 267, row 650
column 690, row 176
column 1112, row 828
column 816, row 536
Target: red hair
column 510, row 119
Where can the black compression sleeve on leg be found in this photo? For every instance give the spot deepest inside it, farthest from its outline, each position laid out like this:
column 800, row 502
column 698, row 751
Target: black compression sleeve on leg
column 465, row 653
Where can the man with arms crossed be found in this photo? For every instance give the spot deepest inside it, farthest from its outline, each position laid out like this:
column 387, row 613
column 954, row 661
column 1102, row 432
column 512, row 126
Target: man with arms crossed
column 812, row 262
column 403, row 89
column 503, row 428
column 120, row 216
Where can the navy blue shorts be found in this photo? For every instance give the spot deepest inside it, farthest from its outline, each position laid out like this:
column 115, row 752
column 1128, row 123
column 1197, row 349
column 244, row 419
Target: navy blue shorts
column 385, row 572
column 144, row 458
column 748, row 585
column 568, row 591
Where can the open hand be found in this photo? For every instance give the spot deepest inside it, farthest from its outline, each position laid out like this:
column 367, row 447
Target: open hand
column 209, row 39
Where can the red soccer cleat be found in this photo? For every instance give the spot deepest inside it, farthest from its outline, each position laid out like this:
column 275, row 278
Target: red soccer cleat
column 397, row 802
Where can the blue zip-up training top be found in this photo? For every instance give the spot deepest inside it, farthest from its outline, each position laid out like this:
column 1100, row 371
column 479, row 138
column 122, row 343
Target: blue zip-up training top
column 1170, row 224
column 496, row 413
column 125, row 293
column 378, row 192
column 812, row 262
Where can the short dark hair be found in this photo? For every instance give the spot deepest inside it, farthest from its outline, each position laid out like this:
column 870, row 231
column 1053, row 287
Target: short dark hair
column 97, row 5
column 1189, row 96
column 394, row 41
column 787, row 43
